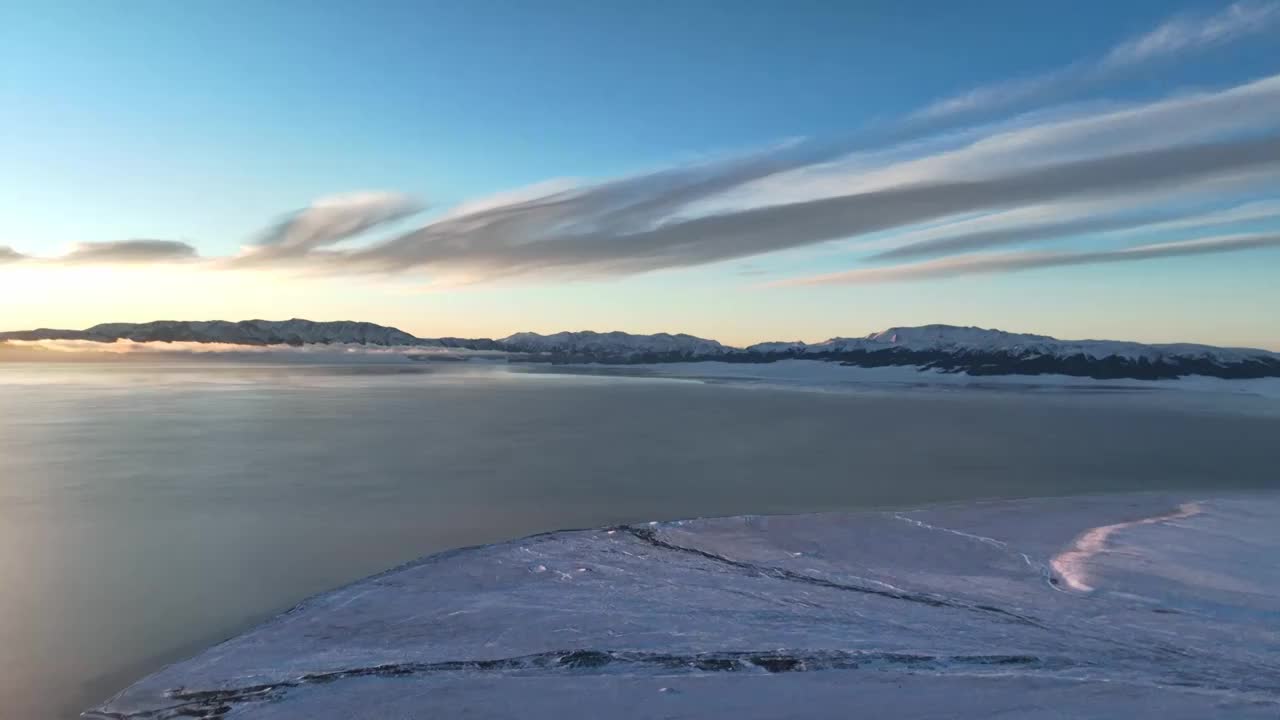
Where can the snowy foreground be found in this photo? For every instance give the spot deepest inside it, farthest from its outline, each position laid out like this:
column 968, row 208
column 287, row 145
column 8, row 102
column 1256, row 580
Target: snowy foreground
column 1096, row 607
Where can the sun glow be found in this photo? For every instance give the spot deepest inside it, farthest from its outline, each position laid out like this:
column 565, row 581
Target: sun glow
column 36, row 295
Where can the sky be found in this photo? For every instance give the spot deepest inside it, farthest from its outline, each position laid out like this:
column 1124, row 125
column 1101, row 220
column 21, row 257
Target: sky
column 744, row 171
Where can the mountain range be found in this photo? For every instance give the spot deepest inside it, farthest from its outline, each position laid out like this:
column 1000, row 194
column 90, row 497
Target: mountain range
column 947, row 348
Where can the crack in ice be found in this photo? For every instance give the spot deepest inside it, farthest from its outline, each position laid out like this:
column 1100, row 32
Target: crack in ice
column 208, row 704
column 926, row 526
column 650, row 536
column 1041, row 569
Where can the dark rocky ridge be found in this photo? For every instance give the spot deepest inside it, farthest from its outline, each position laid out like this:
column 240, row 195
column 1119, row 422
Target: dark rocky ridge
column 1077, row 365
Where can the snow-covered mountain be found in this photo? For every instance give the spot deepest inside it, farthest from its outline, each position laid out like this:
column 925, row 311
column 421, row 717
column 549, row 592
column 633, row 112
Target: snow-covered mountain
column 616, row 345
column 946, row 348
column 245, row 332
column 978, row 351
column 949, row 338
column 777, row 346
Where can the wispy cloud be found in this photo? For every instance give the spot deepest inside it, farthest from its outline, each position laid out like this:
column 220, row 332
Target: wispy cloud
column 985, row 264
column 331, row 220
column 1183, row 208
column 1171, row 38
column 130, row 251
column 579, row 233
column 1195, row 32
column 1009, row 236
column 1070, row 219
column 1003, row 94
column 1186, row 118
column 645, row 222
column 1246, row 212
column 536, row 191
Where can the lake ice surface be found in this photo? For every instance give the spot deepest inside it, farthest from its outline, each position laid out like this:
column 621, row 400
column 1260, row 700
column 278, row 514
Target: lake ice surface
column 1138, row 605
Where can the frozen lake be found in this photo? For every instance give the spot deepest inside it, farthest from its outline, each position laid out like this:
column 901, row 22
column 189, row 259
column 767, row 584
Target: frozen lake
column 148, row 510
column 1095, row 607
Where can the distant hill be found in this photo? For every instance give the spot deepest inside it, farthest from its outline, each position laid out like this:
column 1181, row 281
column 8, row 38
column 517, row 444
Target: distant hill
column 949, row 348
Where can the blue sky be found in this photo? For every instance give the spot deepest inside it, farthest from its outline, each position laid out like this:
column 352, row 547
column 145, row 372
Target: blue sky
column 291, row 145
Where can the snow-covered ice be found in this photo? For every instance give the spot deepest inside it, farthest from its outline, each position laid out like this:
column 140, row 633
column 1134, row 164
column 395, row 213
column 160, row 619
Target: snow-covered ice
column 1090, row 607
column 812, row 375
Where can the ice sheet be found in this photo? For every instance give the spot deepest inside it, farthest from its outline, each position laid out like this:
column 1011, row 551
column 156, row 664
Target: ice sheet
column 819, row 375
column 953, row 611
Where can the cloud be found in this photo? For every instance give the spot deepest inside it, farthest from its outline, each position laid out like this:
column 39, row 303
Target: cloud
column 1013, row 262
column 1193, row 117
column 130, row 251
column 1247, row 212
column 537, row 191
column 798, row 194
column 532, row 215
column 1009, row 236
column 331, row 220
column 1070, row 219
column 1001, row 95
column 1173, row 37
column 8, row 254
column 1156, row 210
column 1190, row 32
column 575, row 235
